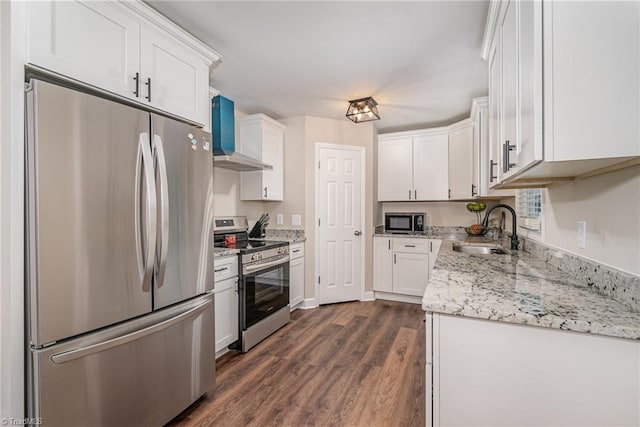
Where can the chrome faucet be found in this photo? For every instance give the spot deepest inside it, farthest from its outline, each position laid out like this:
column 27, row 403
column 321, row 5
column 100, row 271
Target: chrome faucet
column 514, row 231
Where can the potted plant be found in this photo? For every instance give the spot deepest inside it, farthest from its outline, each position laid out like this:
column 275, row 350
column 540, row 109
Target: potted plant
column 476, row 229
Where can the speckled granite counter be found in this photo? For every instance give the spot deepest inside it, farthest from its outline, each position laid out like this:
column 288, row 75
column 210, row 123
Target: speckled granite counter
column 290, row 235
column 523, row 289
column 222, row 252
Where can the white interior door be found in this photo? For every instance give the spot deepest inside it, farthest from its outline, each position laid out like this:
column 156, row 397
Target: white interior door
column 339, row 213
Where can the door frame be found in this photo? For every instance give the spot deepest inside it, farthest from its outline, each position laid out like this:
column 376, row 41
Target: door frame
column 363, row 152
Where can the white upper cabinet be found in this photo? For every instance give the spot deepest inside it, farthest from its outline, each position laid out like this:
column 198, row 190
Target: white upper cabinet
column 481, row 151
column 262, row 138
column 93, row 42
column 461, row 160
column 430, row 170
column 583, row 120
column 413, row 165
column 174, row 78
column 125, row 48
column 395, row 169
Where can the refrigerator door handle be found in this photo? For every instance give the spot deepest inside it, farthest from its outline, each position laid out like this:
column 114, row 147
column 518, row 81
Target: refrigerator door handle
column 150, row 202
column 70, row 355
column 163, row 237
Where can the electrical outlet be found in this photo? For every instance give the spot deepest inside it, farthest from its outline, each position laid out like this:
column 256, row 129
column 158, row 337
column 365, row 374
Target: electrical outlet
column 279, row 219
column 296, row 219
column 582, row 234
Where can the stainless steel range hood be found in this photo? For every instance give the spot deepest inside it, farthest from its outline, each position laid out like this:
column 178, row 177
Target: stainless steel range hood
column 239, row 162
column 224, row 139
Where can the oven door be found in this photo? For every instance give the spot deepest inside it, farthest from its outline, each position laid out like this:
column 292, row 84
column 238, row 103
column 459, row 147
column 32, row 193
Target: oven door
column 264, row 290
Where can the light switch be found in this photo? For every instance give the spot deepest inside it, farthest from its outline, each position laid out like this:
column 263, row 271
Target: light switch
column 296, row 219
column 279, row 219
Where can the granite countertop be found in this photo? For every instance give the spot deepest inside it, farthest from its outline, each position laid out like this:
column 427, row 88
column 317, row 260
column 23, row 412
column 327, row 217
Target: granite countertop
column 522, row 289
column 517, row 288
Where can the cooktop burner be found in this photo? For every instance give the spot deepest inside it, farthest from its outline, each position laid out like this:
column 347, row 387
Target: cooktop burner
column 252, row 245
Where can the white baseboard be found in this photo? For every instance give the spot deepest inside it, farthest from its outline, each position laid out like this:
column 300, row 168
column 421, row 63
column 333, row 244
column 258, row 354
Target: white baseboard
column 369, row 296
column 398, row 297
column 308, row 303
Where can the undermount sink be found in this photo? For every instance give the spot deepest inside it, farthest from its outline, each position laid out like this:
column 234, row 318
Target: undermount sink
column 480, row 250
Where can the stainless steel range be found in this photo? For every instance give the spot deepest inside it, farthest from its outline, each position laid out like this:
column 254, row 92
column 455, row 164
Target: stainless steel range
column 263, row 281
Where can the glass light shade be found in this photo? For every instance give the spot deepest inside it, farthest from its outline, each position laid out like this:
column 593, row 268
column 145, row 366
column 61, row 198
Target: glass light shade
column 363, row 110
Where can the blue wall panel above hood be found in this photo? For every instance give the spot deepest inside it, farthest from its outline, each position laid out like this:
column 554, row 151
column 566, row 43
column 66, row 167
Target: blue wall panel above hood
column 223, row 125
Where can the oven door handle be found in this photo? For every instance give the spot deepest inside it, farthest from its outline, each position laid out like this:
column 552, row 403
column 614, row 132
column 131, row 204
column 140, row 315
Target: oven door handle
column 255, row 267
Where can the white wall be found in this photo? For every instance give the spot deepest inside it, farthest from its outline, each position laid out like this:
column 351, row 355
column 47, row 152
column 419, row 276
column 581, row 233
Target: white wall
column 12, row 54
column 610, row 205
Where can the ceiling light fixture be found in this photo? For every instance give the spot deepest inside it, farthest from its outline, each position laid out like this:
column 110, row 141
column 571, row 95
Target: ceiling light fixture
column 363, row 110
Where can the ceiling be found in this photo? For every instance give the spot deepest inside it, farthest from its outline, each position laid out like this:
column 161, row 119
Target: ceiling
column 419, row 60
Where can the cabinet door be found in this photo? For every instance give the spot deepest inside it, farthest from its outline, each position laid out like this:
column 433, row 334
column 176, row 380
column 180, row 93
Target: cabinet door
column 434, row 249
column 529, row 150
column 93, row 42
column 382, row 264
column 174, row 78
column 410, row 273
column 272, row 153
column 395, row 170
column 509, row 90
column 476, row 170
column 296, row 281
column 431, row 167
column 226, row 314
column 495, row 111
column 461, row 162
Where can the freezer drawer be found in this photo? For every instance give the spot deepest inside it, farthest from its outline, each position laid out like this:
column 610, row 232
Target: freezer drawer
column 141, row 373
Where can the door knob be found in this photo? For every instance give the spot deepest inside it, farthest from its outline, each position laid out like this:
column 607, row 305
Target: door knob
column 357, row 233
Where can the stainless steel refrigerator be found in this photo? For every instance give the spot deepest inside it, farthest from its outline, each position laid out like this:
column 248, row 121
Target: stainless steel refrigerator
column 119, row 261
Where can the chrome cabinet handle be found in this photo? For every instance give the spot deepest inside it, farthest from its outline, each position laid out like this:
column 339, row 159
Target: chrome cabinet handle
column 137, row 80
column 148, row 83
column 218, row 270
column 394, row 258
column 409, row 194
column 409, row 246
column 415, row 194
column 389, row 244
column 491, row 175
column 506, row 148
column 430, row 246
column 357, row 233
column 473, row 190
column 265, row 192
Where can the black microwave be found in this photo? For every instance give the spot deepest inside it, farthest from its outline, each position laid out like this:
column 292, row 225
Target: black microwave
column 404, row 223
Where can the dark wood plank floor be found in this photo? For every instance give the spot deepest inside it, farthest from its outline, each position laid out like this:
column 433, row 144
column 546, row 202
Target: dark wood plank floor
column 351, row 364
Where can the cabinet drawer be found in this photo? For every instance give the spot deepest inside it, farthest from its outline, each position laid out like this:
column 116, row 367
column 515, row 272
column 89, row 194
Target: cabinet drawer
column 296, row 250
column 411, row 245
column 224, row 268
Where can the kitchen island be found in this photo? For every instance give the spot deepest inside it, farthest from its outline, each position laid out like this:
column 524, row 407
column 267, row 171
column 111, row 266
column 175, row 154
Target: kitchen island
column 512, row 340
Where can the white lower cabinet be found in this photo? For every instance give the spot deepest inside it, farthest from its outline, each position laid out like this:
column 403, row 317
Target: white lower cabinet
column 410, row 273
column 487, row 373
column 296, row 275
column 402, row 265
column 226, row 302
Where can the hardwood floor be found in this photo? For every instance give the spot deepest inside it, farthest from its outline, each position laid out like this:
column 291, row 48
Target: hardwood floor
column 351, row 364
